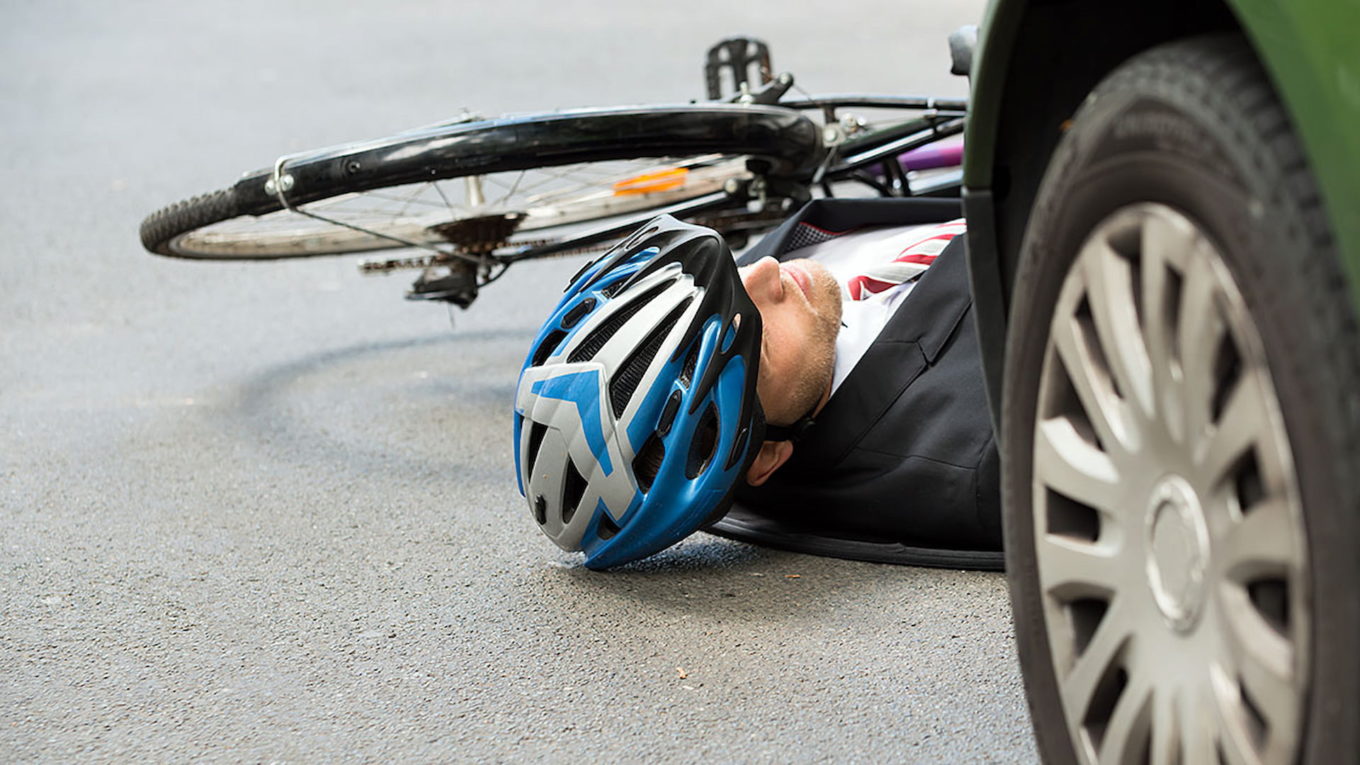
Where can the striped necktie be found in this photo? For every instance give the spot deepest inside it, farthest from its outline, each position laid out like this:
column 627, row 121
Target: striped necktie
column 909, row 264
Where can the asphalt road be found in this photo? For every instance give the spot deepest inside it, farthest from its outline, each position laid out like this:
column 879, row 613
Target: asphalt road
column 267, row 511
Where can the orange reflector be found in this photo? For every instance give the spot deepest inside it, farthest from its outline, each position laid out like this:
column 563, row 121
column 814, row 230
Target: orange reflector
column 657, row 180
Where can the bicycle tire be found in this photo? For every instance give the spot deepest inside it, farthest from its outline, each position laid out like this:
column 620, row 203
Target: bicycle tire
column 784, row 139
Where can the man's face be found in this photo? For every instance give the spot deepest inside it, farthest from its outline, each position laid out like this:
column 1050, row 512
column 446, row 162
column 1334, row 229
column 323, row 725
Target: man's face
column 800, row 308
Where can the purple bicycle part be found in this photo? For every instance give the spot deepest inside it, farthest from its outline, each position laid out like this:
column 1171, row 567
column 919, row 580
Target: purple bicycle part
column 932, row 156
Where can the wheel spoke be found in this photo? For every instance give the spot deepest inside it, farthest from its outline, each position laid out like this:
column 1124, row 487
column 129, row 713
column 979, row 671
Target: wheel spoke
column 1200, row 332
column 1070, row 569
column 1262, row 542
column 1198, row 727
column 370, row 196
column 1101, row 656
column 1234, row 748
column 1157, row 330
column 453, row 211
column 510, row 192
column 548, row 186
column 1275, row 699
column 1168, row 239
column 1237, row 430
column 1244, row 728
column 1072, row 466
column 1165, row 747
column 436, row 213
column 1126, row 734
column 1109, row 280
column 1106, row 413
column 1166, row 245
column 602, row 185
column 1262, row 655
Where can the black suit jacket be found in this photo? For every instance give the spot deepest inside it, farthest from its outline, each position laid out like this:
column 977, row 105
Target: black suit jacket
column 901, row 465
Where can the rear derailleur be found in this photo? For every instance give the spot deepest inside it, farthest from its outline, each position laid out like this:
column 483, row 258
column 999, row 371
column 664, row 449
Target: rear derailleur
column 453, row 282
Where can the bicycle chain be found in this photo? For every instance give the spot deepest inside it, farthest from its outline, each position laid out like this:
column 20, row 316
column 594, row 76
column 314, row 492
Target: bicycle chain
column 772, row 215
column 478, row 250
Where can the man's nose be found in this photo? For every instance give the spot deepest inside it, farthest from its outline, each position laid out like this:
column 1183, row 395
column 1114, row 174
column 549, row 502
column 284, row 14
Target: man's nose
column 761, row 279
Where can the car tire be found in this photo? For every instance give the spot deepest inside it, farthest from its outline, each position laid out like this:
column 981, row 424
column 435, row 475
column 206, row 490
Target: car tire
column 1181, row 430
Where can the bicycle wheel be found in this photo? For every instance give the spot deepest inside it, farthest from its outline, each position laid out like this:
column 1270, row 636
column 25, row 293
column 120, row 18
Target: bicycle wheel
column 481, row 185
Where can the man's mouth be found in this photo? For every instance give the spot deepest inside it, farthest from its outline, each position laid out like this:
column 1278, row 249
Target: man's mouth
column 800, row 277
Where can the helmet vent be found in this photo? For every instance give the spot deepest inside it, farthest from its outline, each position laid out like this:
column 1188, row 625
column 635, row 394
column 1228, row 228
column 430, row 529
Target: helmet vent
column 597, row 338
column 541, row 510
column 573, row 487
column 663, row 426
column 704, row 443
column 546, row 347
column 623, row 385
column 647, row 463
column 691, row 361
column 738, row 447
column 577, row 313
column 536, row 432
column 614, row 287
column 607, row 527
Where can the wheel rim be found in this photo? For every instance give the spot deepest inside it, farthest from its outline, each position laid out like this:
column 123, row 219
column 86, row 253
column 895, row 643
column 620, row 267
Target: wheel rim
column 544, row 198
column 1168, row 528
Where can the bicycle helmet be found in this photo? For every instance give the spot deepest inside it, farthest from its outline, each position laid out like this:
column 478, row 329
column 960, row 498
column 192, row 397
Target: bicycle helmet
column 636, row 409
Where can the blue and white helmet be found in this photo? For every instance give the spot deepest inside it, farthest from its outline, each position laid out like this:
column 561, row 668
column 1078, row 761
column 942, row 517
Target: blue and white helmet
column 636, row 410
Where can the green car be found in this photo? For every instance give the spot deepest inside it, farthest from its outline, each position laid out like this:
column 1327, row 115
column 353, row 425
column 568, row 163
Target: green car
column 1163, row 203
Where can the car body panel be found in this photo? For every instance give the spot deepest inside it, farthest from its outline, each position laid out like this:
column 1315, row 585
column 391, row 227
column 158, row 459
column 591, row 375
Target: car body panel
column 1310, row 49
column 996, row 40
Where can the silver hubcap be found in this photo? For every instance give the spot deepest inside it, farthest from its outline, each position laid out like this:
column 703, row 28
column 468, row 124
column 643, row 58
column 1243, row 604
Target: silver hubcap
column 1167, row 523
column 1177, row 552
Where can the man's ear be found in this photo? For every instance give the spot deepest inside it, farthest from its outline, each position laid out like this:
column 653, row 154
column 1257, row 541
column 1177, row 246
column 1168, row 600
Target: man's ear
column 772, row 455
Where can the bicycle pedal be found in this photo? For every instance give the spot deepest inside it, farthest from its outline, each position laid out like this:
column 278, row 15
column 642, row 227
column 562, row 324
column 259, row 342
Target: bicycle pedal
column 735, row 57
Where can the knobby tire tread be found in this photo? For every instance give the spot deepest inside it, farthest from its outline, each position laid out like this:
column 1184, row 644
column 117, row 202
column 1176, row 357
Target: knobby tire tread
column 196, row 212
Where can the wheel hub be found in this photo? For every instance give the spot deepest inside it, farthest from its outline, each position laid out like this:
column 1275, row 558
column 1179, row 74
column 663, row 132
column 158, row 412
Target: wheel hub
column 1177, row 552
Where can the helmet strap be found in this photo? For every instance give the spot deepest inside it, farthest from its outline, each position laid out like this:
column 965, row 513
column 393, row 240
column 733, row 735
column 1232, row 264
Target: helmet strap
column 793, row 432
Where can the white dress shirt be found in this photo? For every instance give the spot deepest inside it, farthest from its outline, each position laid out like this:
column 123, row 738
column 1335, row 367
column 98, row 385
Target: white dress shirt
column 847, row 256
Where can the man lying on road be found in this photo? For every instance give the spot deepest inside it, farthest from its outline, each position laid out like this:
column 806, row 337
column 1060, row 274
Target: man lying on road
column 831, row 385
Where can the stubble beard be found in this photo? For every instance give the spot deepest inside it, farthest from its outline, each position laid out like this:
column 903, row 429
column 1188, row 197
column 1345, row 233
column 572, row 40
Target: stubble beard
column 820, row 359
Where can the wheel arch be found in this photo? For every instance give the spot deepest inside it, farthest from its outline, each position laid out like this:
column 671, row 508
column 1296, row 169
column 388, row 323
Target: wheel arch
column 1037, row 59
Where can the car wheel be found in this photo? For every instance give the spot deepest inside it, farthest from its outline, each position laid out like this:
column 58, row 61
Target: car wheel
column 1181, row 431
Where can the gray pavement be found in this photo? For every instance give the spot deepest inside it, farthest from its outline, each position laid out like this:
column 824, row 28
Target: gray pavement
column 267, row 511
